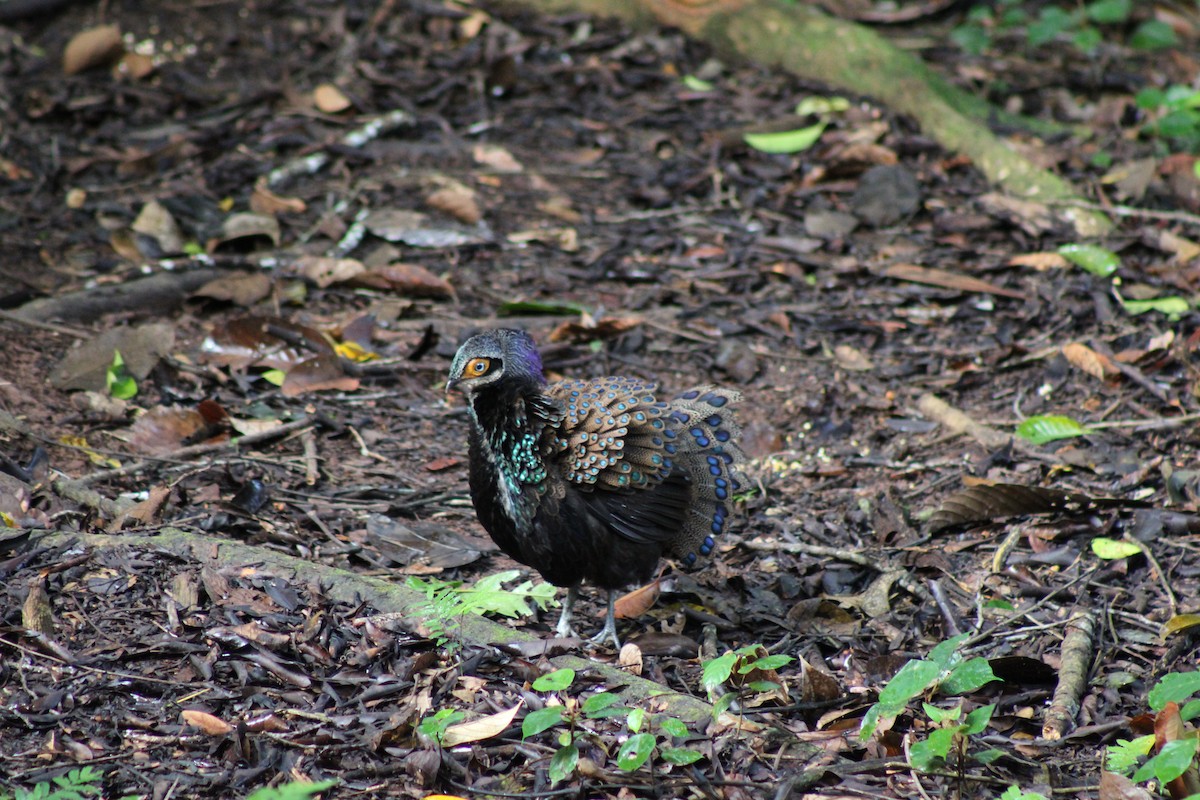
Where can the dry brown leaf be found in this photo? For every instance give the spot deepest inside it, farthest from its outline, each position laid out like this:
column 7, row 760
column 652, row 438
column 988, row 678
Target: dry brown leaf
column 497, row 158
column 207, row 723
column 246, row 227
column 948, row 280
column 36, row 612
column 851, row 358
column 1039, row 261
column 329, row 99
column 1085, row 358
column 411, row 280
column 638, row 602
column 630, row 658
column 134, row 66
column 479, row 729
column 156, row 222
column 458, row 201
column 92, row 48
column 165, row 429
column 566, row 239
column 586, row 329
column 264, row 201
column 325, row 271
column 316, row 374
column 240, row 288
column 144, row 513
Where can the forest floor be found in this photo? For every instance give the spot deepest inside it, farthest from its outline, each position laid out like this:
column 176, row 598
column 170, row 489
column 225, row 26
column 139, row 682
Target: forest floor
column 591, row 185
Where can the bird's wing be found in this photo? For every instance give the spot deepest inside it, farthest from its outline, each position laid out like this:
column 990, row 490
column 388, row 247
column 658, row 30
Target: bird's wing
column 612, row 435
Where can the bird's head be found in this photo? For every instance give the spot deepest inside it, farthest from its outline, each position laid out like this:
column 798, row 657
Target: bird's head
column 495, row 356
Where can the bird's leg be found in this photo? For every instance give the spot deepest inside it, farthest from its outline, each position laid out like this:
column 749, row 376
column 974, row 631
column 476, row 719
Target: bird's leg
column 609, row 630
column 564, row 629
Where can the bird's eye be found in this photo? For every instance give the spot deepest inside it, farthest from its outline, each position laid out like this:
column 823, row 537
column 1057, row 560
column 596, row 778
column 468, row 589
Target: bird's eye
column 476, row 367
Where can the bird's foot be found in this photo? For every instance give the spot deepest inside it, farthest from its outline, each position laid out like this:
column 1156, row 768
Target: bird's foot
column 563, row 629
column 609, row 631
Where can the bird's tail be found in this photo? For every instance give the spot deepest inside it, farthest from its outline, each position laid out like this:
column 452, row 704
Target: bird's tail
column 705, row 439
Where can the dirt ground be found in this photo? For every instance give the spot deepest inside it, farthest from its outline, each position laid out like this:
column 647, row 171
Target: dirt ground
column 559, row 174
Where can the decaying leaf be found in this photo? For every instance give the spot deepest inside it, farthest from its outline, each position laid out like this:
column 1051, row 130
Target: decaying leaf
column 419, row 548
column 141, row 347
column 316, row 374
column 245, row 229
column 157, row 223
column 411, row 280
column 586, row 328
column 240, row 288
column 207, row 723
column 637, row 602
column 249, row 341
column 497, row 158
column 418, row 230
column 1093, row 363
column 326, row 271
column 458, row 201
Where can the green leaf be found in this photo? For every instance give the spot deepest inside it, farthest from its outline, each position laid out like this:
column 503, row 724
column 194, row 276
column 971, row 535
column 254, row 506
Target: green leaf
column 1173, row 688
column 1171, row 762
column 1015, row 793
column 928, row 753
column 562, row 763
column 968, row 676
column 977, row 721
column 597, row 703
column 1091, row 258
column 635, row 751
column 123, row 388
column 816, row 104
column 541, row 720
column 673, row 727
column 717, row 671
column 1124, row 755
column 1109, row 12
column 276, row 377
column 785, row 142
column 723, row 703
column 1087, row 39
column 635, row 719
column 554, row 681
column 1114, row 549
column 1000, row 605
column 1050, row 428
column 941, row 715
column 973, row 39
column 767, row 662
column 1153, row 34
column 992, row 754
column 1173, row 307
column 697, row 84
column 681, row 756
column 1050, row 23
column 1150, row 98
column 910, row 681
column 945, row 654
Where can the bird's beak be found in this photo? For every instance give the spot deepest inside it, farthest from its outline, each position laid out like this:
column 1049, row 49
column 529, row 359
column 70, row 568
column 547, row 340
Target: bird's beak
column 451, row 385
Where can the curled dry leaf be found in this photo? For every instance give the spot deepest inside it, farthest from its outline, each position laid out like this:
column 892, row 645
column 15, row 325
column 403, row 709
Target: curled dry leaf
column 497, row 158
column 638, row 602
column 458, row 201
column 1085, row 358
column 411, row 280
column 244, row 229
column 264, row 201
column 165, row 429
column 586, row 329
column 134, row 66
column 157, row 223
column 209, row 724
column 94, row 47
column 329, row 99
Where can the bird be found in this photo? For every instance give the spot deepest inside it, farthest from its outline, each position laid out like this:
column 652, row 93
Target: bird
column 593, row 480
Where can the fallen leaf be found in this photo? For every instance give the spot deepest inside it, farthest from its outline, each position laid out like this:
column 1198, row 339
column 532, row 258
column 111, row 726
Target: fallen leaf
column 329, row 99
column 948, row 280
column 1039, row 261
column 637, row 602
column 264, row 201
column 240, row 288
column 94, row 47
column 157, row 223
column 319, row 373
column 325, row 271
column 458, row 201
column 207, row 723
column 1085, row 358
column 497, row 158
column 411, row 280
column 245, row 229
column 482, row 728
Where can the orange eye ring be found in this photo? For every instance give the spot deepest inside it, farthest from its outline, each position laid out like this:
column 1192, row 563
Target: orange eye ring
column 477, row 367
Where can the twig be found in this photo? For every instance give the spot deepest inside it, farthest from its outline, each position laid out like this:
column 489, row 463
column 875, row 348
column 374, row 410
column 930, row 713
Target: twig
column 186, row 453
column 905, row 580
column 1129, row 211
column 1077, row 646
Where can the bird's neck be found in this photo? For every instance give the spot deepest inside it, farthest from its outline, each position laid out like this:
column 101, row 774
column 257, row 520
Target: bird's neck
column 509, row 431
